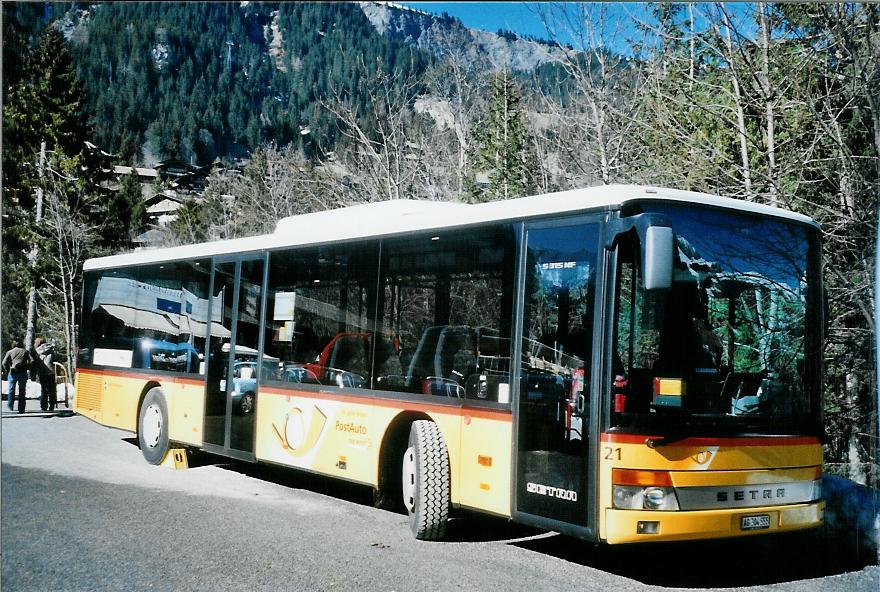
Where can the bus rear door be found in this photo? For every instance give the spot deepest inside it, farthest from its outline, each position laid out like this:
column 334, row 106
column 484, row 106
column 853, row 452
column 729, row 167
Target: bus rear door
column 233, row 370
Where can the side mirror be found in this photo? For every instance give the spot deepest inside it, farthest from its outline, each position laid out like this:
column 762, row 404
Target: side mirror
column 657, row 245
column 657, row 249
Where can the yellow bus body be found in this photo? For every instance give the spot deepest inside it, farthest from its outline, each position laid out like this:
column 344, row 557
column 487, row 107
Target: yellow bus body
column 336, row 435
column 745, row 464
column 341, row 436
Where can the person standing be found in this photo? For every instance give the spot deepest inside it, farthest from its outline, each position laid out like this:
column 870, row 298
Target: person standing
column 43, row 369
column 15, row 364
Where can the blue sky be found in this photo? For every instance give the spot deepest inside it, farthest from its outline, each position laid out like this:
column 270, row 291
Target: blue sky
column 619, row 32
column 520, row 17
column 489, row 16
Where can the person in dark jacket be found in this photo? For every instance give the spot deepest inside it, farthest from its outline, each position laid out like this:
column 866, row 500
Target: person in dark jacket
column 15, row 365
column 43, row 369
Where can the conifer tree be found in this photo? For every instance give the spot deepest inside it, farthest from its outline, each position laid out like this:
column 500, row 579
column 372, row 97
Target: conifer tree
column 502, row 144
column 126, row 211
column 46, row 105
column 43, row 121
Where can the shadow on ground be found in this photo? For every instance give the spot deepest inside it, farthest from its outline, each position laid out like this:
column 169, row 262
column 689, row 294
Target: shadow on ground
column 750, row 561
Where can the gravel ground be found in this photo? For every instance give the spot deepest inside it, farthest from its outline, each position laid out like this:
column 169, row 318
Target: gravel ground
column 81, row 510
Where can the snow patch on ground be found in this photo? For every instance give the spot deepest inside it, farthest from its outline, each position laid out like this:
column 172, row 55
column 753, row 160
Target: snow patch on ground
column 74, row 25
column 160, row 54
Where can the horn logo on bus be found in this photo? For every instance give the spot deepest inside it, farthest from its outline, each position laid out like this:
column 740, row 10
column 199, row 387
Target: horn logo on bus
column 300, row 438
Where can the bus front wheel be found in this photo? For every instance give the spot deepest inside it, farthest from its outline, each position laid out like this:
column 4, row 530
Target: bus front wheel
column 425, row 478
column 153, row 426
column 246, row 406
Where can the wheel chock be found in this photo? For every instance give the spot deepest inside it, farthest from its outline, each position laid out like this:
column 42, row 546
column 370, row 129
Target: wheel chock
column 176, row 459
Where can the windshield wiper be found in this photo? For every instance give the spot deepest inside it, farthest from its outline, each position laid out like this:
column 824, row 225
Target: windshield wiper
column 679, row 433
column 666, row 440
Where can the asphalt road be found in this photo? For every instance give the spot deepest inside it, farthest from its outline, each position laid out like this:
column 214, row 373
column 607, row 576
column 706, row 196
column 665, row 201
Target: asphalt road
column 81, row 510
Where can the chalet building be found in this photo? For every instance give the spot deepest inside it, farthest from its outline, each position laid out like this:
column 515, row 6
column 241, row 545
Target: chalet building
column 182, row 176
column 164, row 188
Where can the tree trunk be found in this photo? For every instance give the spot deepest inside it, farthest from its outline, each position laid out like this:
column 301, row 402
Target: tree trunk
column 769, row 106
column 740, row 117
column 692, row 44
column 32, row 257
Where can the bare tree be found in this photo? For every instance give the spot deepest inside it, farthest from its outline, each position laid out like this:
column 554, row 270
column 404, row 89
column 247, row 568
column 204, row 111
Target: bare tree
column 849, row 34
column 770, row 105
column 460, row 88
column 384, row 156
column 593, row 131
column 273, row 184
column 69, row 233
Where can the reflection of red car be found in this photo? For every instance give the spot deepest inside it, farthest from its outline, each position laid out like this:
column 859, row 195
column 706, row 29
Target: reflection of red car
column 344, row 361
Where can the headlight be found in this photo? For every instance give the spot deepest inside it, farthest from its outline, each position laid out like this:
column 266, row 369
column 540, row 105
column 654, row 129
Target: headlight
column 634, row 497
column 643, row 490
column 624, row 497
column 656, row 497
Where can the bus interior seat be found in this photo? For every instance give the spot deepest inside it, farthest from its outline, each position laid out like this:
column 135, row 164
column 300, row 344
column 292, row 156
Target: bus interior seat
column 640, row 389
column 741, row 389
column 456, row 357
column 350, row 353
column 445, row 352
column 421, row 363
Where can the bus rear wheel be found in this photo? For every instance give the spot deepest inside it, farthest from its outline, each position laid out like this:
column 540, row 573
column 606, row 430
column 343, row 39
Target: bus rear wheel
column 425, row 477
column 153, row 426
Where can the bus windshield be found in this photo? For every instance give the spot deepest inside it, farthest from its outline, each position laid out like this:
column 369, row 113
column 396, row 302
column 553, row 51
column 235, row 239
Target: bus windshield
column 731, row 348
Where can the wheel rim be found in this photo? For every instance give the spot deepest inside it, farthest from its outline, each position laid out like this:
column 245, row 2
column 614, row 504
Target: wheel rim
column 409, row 479
column 151, row 427
column 247, row 404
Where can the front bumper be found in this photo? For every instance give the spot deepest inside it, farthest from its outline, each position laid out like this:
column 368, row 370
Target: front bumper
column 622, row 526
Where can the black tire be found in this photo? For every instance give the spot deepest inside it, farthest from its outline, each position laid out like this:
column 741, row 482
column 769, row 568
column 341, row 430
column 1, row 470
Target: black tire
column 246, row 403
column 425, row 486
column 153, row 427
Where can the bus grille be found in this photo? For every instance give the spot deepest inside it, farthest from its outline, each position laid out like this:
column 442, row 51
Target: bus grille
column 88, row 391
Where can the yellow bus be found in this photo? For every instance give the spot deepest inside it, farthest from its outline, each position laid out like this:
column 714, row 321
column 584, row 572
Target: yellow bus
column 620, row 364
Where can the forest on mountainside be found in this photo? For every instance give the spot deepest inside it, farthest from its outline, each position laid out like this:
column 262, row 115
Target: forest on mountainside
column 776, row 104
column 193, row 80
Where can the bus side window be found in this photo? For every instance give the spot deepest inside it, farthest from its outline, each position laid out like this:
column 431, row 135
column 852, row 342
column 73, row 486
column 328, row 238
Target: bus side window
column 445, row 298
column 151, row 317
column 319, row 320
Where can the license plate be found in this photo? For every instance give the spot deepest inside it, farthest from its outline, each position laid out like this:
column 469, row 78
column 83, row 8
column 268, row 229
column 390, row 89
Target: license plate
column 755, row 522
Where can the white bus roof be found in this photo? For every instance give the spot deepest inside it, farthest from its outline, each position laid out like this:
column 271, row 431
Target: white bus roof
column 403, row 216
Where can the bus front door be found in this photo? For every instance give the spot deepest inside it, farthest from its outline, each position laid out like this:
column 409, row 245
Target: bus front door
column 552, row 433
column 233, row 363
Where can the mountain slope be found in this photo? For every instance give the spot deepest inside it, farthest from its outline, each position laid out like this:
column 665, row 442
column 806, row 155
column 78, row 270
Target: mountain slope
column 441, row 35
column 198, row 80
column 195, row 81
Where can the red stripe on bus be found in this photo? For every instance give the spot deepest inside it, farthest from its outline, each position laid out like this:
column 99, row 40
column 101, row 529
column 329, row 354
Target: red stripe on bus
column 479, row 412
column 407, row 404
column 749, row 441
